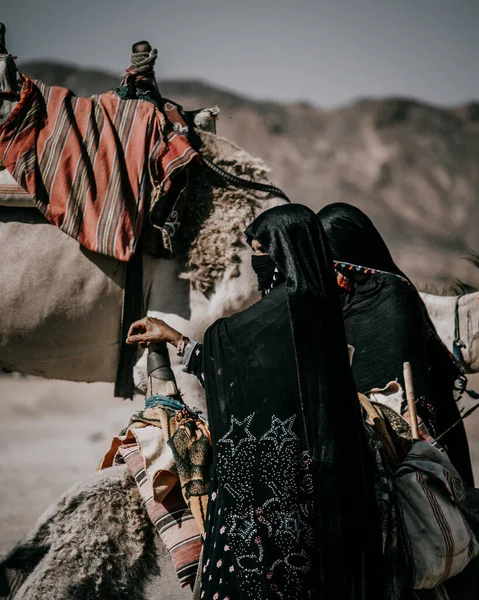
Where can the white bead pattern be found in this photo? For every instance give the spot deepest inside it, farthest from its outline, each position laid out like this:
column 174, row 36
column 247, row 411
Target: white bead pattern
column 271, row 461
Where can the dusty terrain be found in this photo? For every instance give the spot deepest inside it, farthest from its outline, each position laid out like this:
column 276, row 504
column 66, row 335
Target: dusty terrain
column 54, row 433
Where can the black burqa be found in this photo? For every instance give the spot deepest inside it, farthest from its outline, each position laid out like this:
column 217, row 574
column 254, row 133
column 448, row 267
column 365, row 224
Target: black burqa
column 295, row 490
column 387, row 323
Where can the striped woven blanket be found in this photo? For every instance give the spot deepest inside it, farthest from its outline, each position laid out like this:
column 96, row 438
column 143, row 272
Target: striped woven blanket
column 94, row 164
column 168, row 452
column 171, row 517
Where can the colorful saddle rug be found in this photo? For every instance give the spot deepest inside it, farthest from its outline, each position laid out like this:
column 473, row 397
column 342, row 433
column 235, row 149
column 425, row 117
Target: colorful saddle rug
column 96, row 167
column 167, row 449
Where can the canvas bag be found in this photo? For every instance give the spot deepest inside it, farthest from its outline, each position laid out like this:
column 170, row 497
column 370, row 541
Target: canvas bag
column 430, row 492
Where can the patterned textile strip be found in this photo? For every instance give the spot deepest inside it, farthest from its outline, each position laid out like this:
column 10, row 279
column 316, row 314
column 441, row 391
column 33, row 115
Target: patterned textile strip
column 190, row 441
column 91, row 164
column 172, row 519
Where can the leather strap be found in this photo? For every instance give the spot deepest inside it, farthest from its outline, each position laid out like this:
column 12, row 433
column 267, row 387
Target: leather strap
column 131, row 311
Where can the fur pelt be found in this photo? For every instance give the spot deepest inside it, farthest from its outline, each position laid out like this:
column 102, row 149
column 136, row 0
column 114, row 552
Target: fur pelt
column 217, row 214
column 95, row 543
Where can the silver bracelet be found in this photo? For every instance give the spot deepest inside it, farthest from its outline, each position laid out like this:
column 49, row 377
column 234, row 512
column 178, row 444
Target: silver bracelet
column 180, row 349
column 191, row 347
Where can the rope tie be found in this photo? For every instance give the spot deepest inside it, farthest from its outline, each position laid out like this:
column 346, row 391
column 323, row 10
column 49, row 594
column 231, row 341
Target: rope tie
column 458, row 344
column 142, row 63
column 239, row 182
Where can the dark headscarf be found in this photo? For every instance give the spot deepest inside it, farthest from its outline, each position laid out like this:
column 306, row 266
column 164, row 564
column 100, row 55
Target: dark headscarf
column 291, row 457
column 388, row 324
column 353, row 237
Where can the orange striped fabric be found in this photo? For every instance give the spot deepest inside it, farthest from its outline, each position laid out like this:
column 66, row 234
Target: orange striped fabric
column 92, row 164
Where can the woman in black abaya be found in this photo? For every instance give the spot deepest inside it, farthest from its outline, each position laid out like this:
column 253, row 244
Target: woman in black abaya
column 292, row 512
column 387, row 323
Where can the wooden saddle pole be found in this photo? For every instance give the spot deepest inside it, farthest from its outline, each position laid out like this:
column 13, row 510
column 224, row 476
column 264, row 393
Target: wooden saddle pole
column 411, row 400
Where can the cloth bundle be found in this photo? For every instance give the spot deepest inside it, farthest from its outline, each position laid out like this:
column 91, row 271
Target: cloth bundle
column 92, row 165
column 168, row 453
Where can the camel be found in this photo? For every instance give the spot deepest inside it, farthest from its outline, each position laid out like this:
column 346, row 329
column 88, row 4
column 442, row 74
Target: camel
column 456, row 319
column 68, row 294
column 61, row 304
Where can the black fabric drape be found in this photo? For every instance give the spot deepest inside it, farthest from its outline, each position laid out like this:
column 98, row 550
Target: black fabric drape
column 387, row 323
column 353, row 237
column 294, row 474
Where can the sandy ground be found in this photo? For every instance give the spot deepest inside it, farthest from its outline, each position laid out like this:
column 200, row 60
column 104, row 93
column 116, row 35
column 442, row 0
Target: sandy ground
column 53, row 433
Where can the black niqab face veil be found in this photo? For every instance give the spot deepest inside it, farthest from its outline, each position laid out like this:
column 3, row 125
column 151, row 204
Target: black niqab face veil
column 294, row 476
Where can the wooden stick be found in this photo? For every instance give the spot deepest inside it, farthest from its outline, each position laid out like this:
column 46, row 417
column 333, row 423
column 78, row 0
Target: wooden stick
column 411, row 400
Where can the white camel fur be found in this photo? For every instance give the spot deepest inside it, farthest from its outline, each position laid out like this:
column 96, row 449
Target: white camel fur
column 61, row 305
column 442, row 310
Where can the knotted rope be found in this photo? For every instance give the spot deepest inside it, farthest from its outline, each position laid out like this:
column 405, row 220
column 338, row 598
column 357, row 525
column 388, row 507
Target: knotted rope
column 142, row 63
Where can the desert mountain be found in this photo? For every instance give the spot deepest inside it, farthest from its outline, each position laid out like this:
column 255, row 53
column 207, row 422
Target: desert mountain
column 413, row 167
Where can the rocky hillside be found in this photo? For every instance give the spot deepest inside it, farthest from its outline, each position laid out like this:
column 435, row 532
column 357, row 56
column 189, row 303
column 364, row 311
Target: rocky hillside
column 413, row 167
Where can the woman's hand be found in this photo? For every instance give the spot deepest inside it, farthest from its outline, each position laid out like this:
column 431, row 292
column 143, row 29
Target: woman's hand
column 150, row 330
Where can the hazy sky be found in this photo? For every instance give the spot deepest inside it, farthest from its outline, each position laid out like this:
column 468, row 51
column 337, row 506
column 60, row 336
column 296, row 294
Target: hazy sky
column 325, row 51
